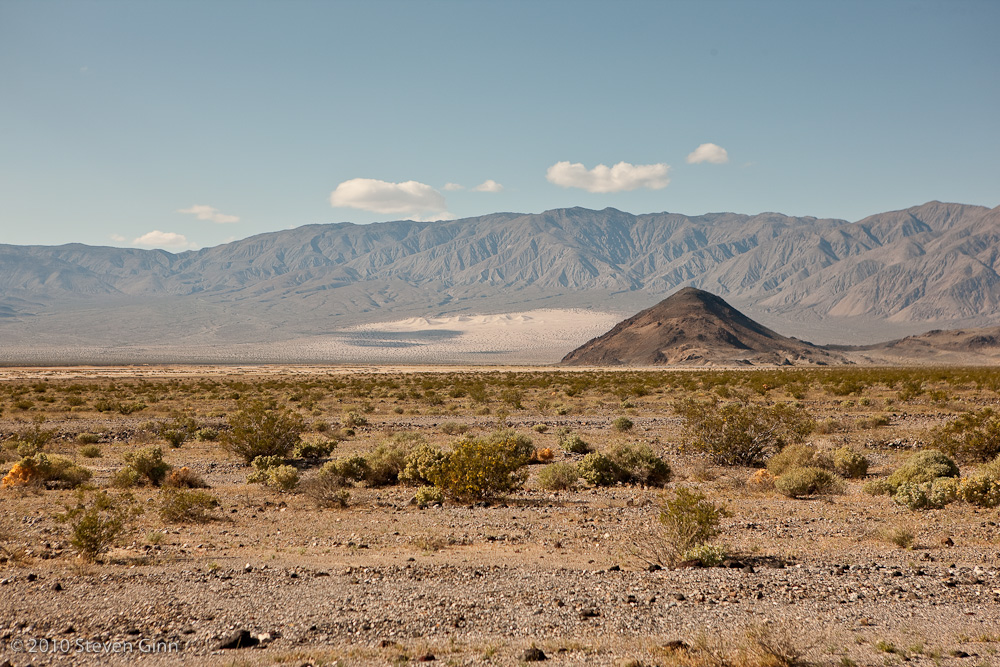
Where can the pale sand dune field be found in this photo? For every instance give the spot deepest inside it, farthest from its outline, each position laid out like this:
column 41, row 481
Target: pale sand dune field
column 541, row 336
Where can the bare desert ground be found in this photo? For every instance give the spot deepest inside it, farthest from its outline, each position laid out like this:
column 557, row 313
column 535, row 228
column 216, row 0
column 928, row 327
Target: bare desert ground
column 832, row 577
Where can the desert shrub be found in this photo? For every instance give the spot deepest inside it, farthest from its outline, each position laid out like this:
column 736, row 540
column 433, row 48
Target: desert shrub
column 428, row 495
column 36, row 436
column 761, row 480
column 483, row 468
column 689, row 520
column 350, row 468
column 742, row 432
column 797, row 456
column 385, row 464
column 327, row 488
column 90, row 452
column 927, row 495
column 207, row 434
column 423, row 465
column 849, row 463
column 88, row 438
column 271, row 471
column 543, row 455
column 126, row 478
column 183, row 506
column 799, row 482
column 313, row 450
column 540, row 428
column 261, row 428
column 513, row 398
column 184, row 478
column 982, row 490
column 599, row 470
column 352, row 419
column 572, row 442
column 148, row 463
column 42, row 469
column 454, row 428
column 900, row 536
column 921, row 467
column 622, row 424
column 973, row 436
column 177, row 430
column 97, row 526
column 705, row 555
column 627, row 464
column 874, row 421
column 558, row 477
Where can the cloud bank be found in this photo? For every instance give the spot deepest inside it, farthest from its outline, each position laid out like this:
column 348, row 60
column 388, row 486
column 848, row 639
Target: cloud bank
column 203, row 212
column 710, row 153
column 619, row 178
column 408, row 198
column 166, row 240
column 489, row 185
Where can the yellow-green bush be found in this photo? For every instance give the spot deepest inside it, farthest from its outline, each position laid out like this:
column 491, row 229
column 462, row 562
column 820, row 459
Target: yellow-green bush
column 484, row 468
column 799, row 482
column 797, row 456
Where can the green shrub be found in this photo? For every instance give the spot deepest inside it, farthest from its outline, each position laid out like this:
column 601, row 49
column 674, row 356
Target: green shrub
column 923, row 466
column 207, row 434
column 51, row 471
column 177, row 430
column 313, row 450
column 182, row 506
column 428, row 495
column 99, row 525
column 982, row 490
column 283, row 478
column 797, row 456
column 799, row 482
column 423, row 465
column 572, row 442
column 126, row 478
column 689, row 520
column 385, row 464
column 622, row 424
column 484, row 468
column 36, row 435
column 90, row 452
column 350, row 468
column 454, row 428
column 148, row 463
column 706, row 555
column 973, row 436
column 352, row 419
column 742, row 432
column 261, row 428
column 327, row 487
column 88, row 438
column 558, row 477
column 626, row 464
column 849, row 463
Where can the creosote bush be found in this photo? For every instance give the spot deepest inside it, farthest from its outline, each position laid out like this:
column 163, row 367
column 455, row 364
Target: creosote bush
column 799, row 482
column 261, row 428
column 849, row 463
column 689, row 520
column 485, row 467
column 146, row 464
column 798, row 456
column 558, row 477
column 572, row 442
column 271, row 471
column 973, row 436
column 184, row 506
column 423, row 465
column 97, row 526
column 625, row 464
column 742, row 432
column 622, row 424
column 427, row 496
column 327, row 488
column 44, row 470
column 921, row 467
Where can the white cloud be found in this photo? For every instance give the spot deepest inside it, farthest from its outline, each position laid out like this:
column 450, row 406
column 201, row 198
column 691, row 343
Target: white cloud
column 203, row 212
column 167, row 240
column 489, row 185
column 117, row 238
column 619, row 178
column 710, row 153
column 417, row 200
column 451, row 187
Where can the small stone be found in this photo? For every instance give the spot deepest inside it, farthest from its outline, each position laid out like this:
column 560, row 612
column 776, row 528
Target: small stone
column 238, row 639
column 589, row 612
column 676, row 645
column 57, row 587
column 654, row 568
column 748, row 569
column 426, row 657
column 947, row 542
column 957, row 653
column 615, row 568
column 679, row 597
column 533, row 654
column 32, row 576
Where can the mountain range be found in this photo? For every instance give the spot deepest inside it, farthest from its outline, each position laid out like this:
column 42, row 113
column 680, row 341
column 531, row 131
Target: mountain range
column 892, row 274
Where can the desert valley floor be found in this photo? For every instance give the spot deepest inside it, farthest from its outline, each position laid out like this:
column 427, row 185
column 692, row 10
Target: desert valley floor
column 833, row 576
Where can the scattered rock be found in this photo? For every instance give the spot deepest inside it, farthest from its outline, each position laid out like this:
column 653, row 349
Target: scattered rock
column 589, row 612
column 238, row 639
column 426, row 657
column 533, row 654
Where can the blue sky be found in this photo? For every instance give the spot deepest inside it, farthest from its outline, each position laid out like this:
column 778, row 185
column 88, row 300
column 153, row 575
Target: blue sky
column 208, row 121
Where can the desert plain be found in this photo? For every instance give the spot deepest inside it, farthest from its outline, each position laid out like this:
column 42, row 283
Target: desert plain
column 580, row 575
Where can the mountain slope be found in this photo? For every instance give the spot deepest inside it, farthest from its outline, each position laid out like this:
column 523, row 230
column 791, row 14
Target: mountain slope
column 692, row 326
column 906, row 271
